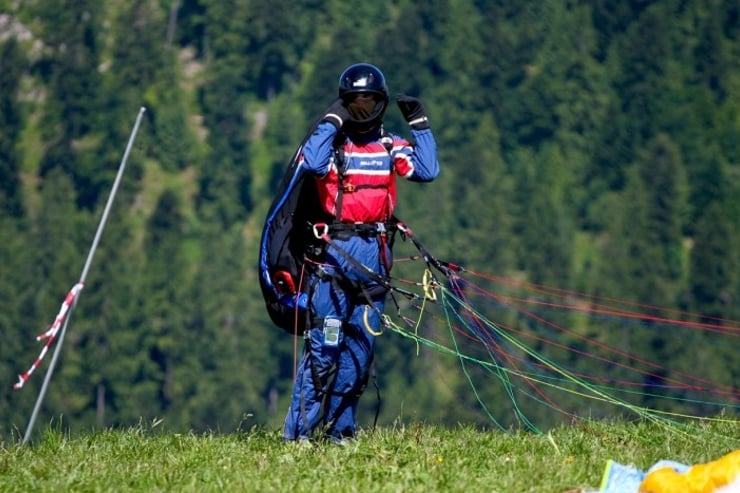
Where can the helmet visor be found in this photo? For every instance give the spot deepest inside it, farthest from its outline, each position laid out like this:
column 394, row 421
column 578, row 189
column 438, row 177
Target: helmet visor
column 365, row 106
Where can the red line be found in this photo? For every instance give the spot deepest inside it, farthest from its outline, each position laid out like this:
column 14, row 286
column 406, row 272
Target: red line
column 727, row 324
column 612, row 349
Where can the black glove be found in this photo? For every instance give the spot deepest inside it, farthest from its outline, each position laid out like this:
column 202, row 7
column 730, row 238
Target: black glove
column 413, row 111
column 337, row 114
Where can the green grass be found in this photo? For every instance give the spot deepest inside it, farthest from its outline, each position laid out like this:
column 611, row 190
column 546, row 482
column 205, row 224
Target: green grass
column 401, row 459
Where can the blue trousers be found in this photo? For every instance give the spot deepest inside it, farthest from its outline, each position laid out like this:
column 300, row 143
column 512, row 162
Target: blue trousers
column 332, row 374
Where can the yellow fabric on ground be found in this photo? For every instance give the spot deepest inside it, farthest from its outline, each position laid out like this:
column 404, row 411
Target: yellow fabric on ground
column 701, row 478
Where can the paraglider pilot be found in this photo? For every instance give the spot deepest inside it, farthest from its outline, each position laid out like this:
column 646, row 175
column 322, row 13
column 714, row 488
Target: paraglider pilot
column 354, row 162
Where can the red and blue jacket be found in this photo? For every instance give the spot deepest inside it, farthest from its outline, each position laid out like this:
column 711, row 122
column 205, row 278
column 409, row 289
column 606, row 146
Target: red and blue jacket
column 368, row 172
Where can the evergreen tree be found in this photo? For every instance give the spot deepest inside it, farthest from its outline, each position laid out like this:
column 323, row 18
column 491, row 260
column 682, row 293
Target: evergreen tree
column 613, row 17
column 714, row 268
column 237, row 348
column 12, row 66
column 189, row 26
column 142, row 72
column 458, row 106
column 648, row 267
column 515, row 33
column 172, row 142
column 485, row 242
column 649, row 228
column 162, row 331
column 715, row 295
column 715, row 22
column 398, row 41
column 663, row 172
column 69, row 68
column 545, row 225
column 707, row 64
column 639, row 64
column 101, row 345
column 225, row 179
column 277, row 44
column 19, row 327
column 573, row 95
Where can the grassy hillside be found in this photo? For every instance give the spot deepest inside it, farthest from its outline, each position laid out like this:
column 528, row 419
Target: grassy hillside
column 415, row 458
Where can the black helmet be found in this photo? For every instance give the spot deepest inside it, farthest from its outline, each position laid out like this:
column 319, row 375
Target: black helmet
column 365, row 79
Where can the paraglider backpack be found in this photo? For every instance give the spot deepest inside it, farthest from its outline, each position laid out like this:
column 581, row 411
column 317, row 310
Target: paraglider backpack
column 287, row 241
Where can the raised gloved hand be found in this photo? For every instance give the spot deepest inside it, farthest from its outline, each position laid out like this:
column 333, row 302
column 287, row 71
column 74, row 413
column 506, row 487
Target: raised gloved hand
column 336, row 114
column 413, row 111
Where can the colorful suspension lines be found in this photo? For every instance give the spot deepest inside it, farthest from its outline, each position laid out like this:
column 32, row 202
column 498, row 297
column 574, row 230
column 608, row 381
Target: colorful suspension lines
column 537, row 356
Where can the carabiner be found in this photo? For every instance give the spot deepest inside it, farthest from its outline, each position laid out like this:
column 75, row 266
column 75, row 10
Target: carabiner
column 323, row 227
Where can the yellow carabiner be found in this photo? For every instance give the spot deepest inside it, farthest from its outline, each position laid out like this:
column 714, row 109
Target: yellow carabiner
column 428, row 284
column 366, row 321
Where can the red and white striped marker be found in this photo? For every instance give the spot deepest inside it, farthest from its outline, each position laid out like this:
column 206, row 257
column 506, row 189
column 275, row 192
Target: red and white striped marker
column 51, row 334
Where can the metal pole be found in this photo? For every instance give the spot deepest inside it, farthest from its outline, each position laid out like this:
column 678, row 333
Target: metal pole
column 83, row 276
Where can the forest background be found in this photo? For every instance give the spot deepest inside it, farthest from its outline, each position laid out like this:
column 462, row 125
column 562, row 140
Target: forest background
column 589, row 145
